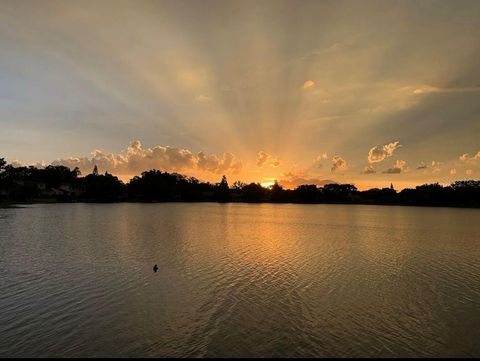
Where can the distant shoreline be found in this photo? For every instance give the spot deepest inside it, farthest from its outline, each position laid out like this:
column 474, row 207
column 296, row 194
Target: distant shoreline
column 49, row 201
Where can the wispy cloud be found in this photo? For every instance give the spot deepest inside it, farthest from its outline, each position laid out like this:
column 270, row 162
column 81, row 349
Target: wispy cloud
column 203, row 98
column 426, row 89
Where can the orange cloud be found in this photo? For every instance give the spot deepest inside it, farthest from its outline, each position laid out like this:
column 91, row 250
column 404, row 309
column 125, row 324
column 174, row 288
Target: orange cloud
column 265, row 158
column 466, row 158
column 338, row 163
column 308, row 84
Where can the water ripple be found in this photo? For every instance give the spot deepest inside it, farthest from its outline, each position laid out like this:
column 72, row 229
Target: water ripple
column 238, row 280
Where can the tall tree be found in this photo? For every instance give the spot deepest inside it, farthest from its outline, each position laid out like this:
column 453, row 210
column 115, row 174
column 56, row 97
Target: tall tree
column 223, row 191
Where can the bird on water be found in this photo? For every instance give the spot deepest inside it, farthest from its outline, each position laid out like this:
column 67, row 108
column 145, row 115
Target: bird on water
column 155, row 268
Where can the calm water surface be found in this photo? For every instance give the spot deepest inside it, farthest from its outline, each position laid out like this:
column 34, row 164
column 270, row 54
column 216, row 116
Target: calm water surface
column 239, row 280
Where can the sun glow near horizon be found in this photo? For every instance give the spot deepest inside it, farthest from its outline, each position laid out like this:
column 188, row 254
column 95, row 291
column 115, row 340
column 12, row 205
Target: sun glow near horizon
column 267, row 184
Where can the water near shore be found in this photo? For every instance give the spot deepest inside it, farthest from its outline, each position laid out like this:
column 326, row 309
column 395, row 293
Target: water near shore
column 239, row 280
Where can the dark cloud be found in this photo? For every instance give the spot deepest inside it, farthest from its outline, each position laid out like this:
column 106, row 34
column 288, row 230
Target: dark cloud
column 369, row 170
column 397, row 168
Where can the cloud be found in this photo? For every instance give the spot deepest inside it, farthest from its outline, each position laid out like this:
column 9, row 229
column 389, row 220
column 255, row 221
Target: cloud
column 136, row 159
column 397, row 168
column 436, row 166
column 338, row 163
column 308, row 84
column 40, row 164
column 426, row 89
column 453, row 171
column 261, row 158
column 275, row 164
column 466, row 158
column 265, row 158
column 213, row 164
column 292, row 181
column 318, row 160
column 392, row 171
column 16, row 163
column 369, row 170
column 379, row 153
column 203, row 98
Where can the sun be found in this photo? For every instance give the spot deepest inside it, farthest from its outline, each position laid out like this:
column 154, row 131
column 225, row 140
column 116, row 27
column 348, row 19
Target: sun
column 267, row 184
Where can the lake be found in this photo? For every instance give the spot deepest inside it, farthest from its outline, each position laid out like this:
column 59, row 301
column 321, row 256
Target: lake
column 239, row 280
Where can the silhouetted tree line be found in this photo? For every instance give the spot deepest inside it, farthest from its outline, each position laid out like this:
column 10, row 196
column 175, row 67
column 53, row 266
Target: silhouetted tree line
column 60, row 184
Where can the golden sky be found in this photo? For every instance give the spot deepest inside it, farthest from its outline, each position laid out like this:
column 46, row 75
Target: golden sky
column 363, row 92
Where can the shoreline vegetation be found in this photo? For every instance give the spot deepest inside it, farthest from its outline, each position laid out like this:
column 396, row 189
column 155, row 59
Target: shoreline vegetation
column 59, row 184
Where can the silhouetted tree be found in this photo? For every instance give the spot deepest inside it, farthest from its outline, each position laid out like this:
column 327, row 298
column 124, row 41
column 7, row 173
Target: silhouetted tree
column 253, row 192
column 157, row 186
column 379, row 196
column 106, row 188
column 466, row 193
column 307, row 193
column 238, row 185
column 277, row 193
column 338, row 193
column 3, row 163
column 222, row 191
column 54, row 176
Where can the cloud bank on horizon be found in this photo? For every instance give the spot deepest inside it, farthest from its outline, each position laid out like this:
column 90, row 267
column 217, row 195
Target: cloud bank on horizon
column 368, row 92
column 136, row 159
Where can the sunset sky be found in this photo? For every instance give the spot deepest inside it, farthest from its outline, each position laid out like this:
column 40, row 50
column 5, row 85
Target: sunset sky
column 363, row 92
